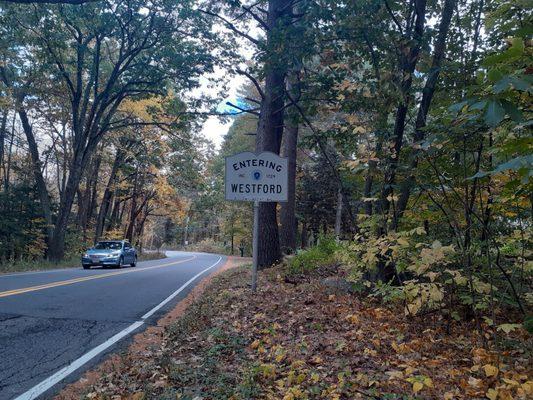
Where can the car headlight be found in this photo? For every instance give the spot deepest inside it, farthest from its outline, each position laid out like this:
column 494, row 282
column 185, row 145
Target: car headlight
column 115, row 253
column 85, row 255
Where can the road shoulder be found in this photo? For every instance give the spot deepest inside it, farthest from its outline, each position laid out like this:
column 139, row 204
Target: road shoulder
column 300, row 337
column 143, row 343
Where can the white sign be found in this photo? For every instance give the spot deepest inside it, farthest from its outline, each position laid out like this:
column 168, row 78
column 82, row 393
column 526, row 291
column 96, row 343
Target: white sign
column 256, row 177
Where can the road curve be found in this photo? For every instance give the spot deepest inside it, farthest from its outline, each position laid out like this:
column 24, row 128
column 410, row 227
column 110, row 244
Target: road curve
column 56, row 324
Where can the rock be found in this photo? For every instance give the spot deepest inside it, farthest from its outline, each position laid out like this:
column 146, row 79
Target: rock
column 339, row 284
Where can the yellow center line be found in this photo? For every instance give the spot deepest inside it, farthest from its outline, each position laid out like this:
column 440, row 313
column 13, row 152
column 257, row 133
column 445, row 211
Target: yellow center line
column 86, row 278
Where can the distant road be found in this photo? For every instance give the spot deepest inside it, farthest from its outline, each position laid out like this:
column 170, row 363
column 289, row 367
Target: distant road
column 56, row 324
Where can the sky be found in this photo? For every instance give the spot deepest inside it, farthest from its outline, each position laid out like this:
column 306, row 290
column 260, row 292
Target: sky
column 213, row 128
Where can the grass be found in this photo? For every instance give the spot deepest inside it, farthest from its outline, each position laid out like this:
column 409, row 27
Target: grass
column 71, row 262
column 37, row 265
column 318, row 256
column 151, row 256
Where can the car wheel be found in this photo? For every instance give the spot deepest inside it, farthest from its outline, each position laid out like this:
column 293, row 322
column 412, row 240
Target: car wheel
column 86, row 266
column 120, row 262
column 134, row 263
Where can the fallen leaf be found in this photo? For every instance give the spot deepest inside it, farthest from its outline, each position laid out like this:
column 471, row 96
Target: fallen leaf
column 417, row 386
column 492, row 394
column 490, row 370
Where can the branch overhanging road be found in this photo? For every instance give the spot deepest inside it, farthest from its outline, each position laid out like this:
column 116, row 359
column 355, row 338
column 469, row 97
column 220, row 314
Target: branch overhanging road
column 56, row 324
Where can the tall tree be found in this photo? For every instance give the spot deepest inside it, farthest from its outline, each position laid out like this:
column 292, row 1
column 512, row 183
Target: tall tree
column 425, row 103
column 102, row 54
column 408, row 55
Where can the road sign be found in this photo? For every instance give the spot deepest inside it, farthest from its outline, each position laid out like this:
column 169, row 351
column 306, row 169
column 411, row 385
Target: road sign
column 259, row 177
column 256, row 177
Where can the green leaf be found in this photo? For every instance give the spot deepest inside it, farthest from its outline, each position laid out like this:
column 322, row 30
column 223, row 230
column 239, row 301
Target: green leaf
column 494, row 114
column 480, row 105
column 517, row 47
column 457, row 107
column 494, row 75
column 512, row 111
column 512, row 82
column 515, row 164
column 528, row 324
column 507, row 328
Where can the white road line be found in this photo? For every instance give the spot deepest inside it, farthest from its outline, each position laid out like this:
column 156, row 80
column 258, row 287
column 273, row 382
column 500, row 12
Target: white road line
column 46, row 384
column 153, row 310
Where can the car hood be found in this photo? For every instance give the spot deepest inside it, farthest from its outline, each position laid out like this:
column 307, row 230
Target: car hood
column 101, row 251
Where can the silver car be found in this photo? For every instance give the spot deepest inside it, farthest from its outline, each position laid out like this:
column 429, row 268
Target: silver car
column 114, row 253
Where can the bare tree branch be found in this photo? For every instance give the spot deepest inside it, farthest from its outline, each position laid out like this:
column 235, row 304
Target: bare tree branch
column 250, row 111
column 232, row 26
column 254, row 81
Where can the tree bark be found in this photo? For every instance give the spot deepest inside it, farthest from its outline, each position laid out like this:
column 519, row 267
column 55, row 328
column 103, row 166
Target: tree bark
column 288, row 209
column 108, row 194
column 7, row 167
column 270, row 131
column 305, row 235
column 37, row 171
column 338, row 215
column 408, row 59
column 425, row 103
column 3, row 130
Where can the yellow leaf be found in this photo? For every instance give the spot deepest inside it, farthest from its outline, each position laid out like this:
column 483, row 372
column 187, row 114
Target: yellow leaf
column 371, row 352
column 395, row 374
column 492, row 394
column 474, row 382
column 428, row 382
column 316, row 360
column 490, row 370
column 528, row 387
column 417, row 386
column 354, row 319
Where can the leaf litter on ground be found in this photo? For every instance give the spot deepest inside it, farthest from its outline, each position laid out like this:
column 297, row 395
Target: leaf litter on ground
column 299, row 339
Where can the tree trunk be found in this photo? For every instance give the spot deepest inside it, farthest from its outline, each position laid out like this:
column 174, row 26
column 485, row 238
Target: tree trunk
column 287, row 210
column 108, row 194
column 304, row 237
column 7, row 168
column 91, row 210
column 369, row 179
column 57, row 244
column 427, row 96
column 408, row 60
column 37, row 173
column 270, row 131
column 133, row 209
column 338, row 215
column 3, row 130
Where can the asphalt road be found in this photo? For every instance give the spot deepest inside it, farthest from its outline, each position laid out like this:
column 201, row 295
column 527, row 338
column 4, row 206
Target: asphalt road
column 56, row 324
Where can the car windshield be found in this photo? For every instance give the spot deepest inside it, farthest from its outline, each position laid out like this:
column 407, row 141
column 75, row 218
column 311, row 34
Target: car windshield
column 108, row 246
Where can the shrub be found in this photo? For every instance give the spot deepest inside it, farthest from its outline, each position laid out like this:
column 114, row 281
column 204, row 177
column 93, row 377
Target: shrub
column 323, row 254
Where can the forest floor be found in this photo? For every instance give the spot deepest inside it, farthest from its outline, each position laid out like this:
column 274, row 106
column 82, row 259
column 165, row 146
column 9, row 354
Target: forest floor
column 303, row 339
